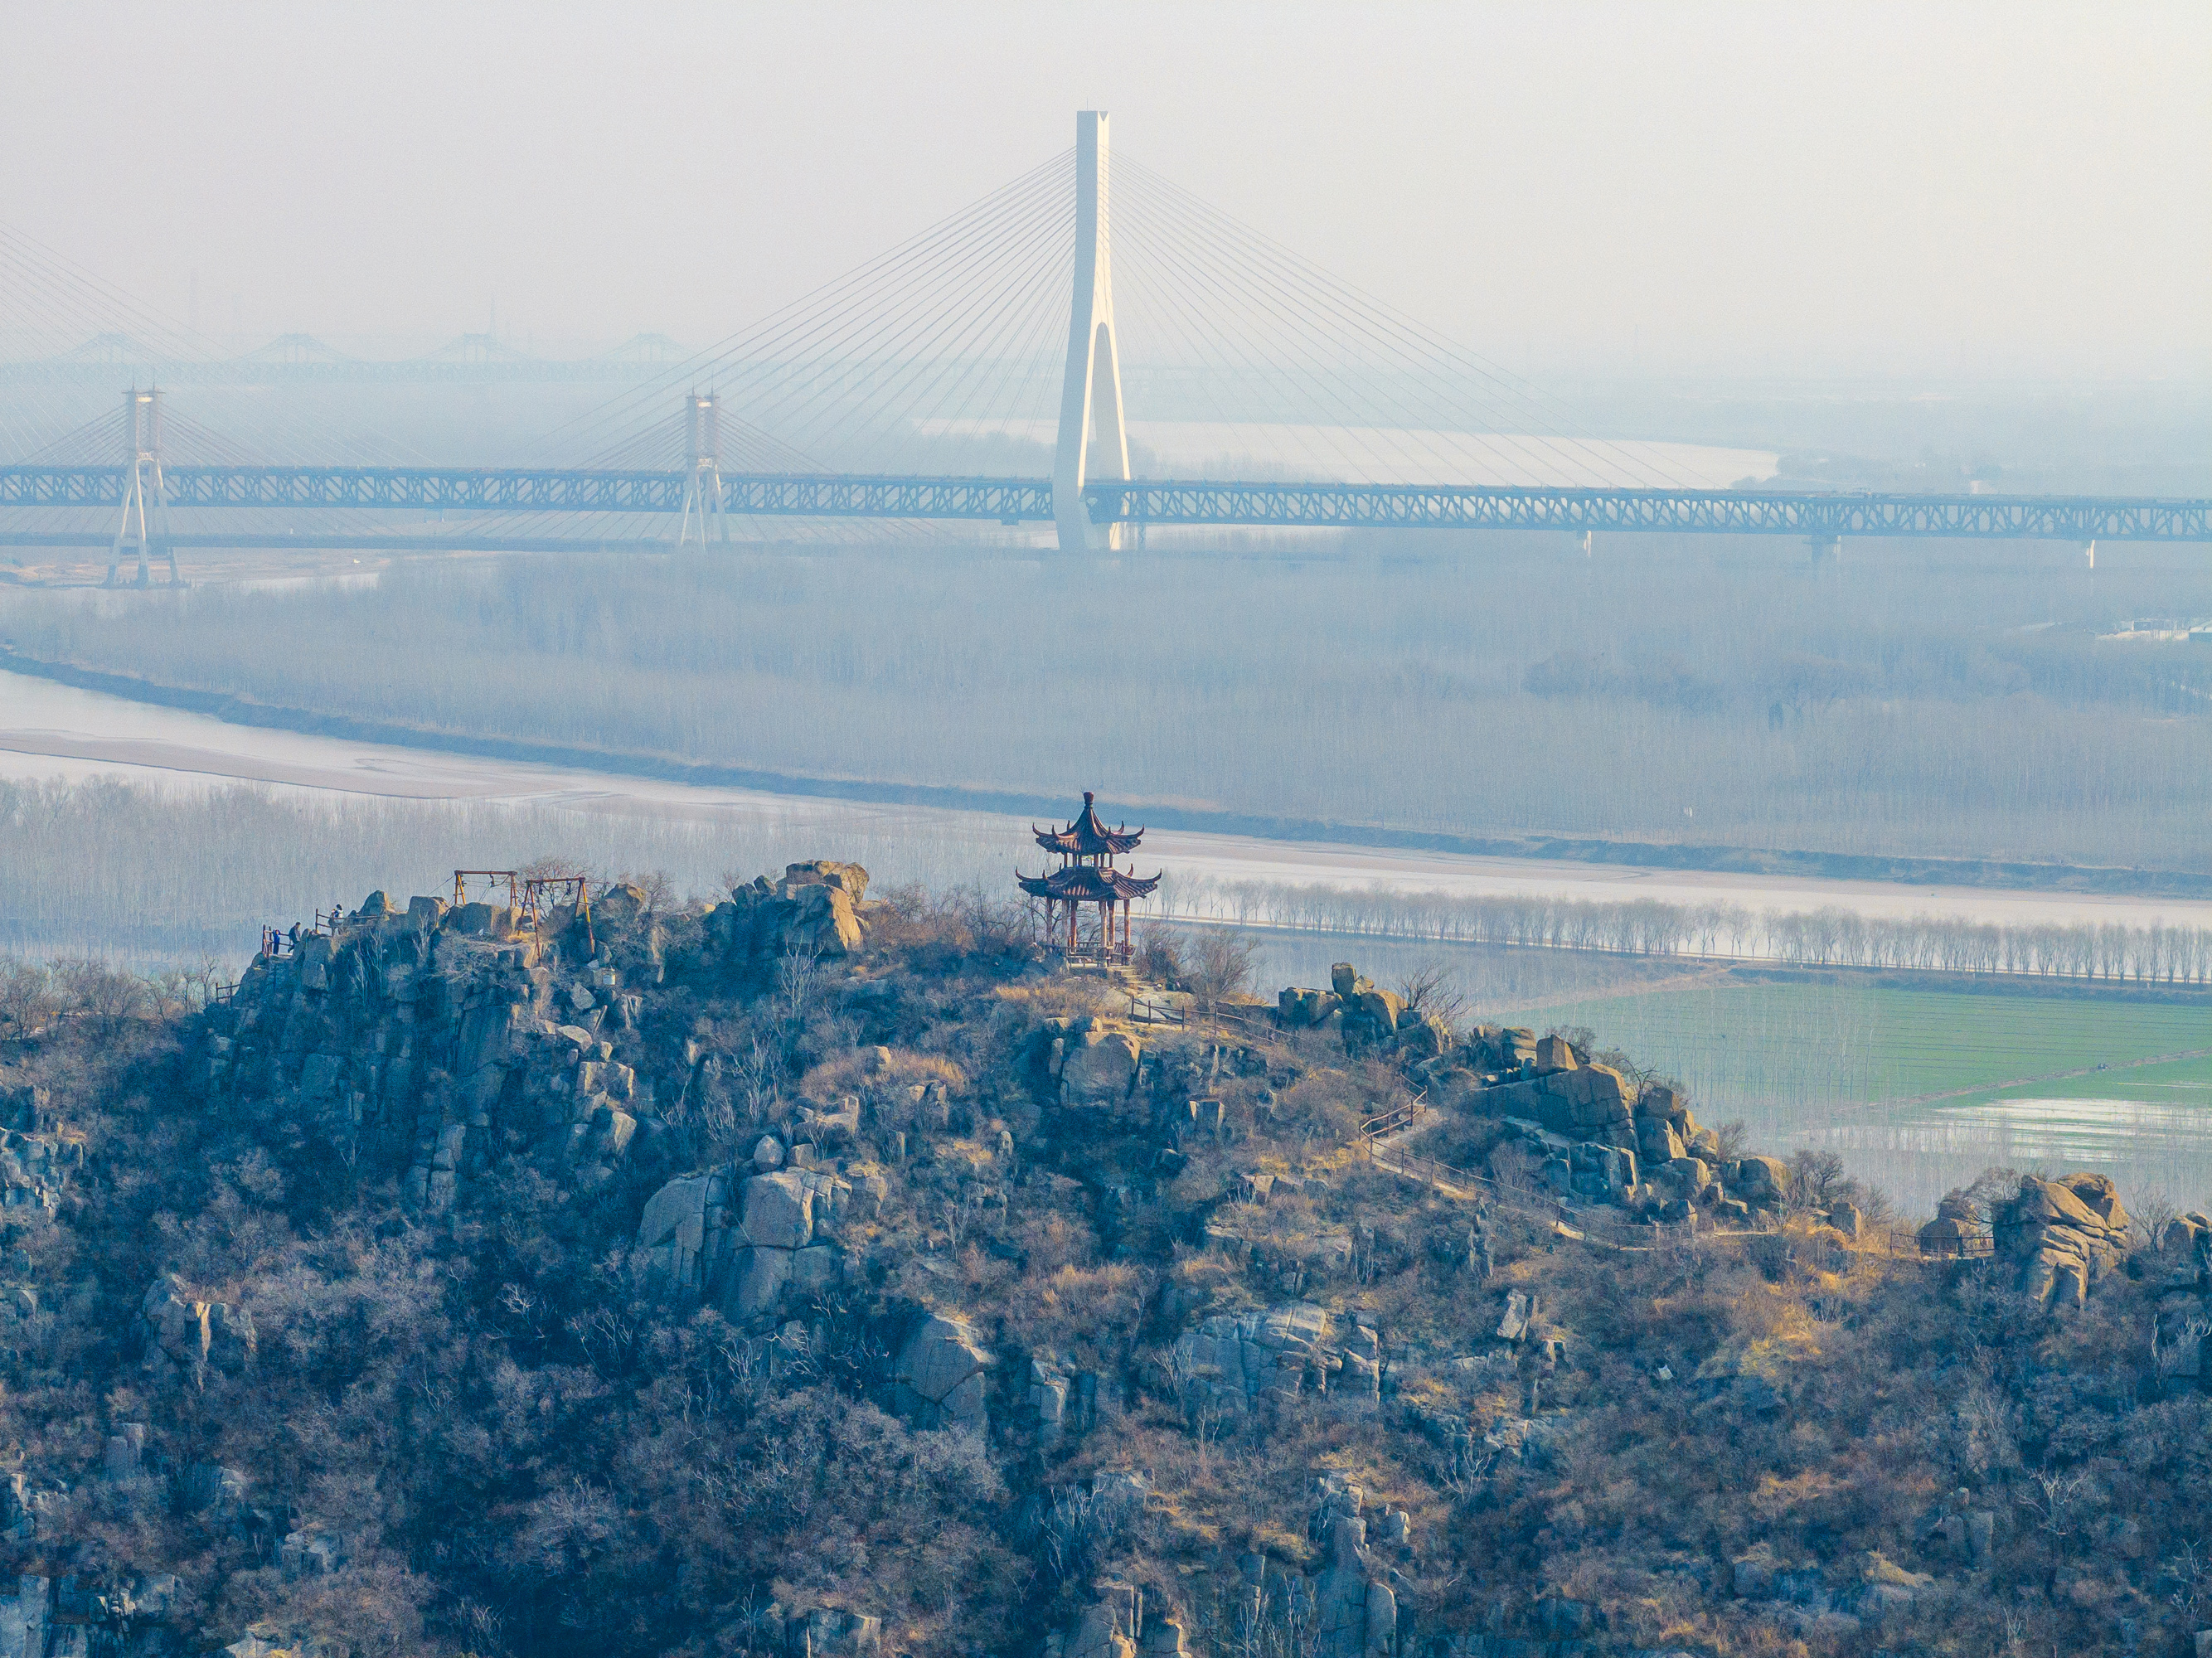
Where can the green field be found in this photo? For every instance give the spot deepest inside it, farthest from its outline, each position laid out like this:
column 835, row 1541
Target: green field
column 1926, row 1087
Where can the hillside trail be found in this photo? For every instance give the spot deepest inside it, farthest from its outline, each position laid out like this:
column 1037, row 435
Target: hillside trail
column 1384, row 1140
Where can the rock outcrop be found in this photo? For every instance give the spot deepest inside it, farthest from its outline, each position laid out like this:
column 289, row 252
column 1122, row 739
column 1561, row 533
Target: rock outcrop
column 1589, row 1102
column 1355, row 1609
column 939, row 1377
column 1089, row 1061
column 186, row 1337
column 34, row 1168
column 812, row 912
column 746, row 1240
column 2061, row 1235
column 70, row 1617
column 437, row 1042
column 1282, row 1353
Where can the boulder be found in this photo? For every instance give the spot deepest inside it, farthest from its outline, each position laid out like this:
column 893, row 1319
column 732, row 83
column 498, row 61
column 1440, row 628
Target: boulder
column 1658, row 1140
column 1555, row 1053
column 483, row 920
column 1297, row 1010
column 232, row 1340
column 2061, row 1237
column 1520, row 1310
column 813, row 1268
column 1665, row 1102
column 1423, row 1036
column 1100, row 1066
column 1752, row 1575
column 759, row 1282
column 827, row 1632
column 778, row 1211
column 1885, row 1585
column 1371, row 1015
column 624, row 901
column 1948, row 1234
column 849, row 879
column 1688, row 1175
column 938, row 1377
column 1589, row 1102
column 1759, row 1180
column 1286, row 1351
column 172, row 1325
column 125, row 1456
column 821, row 921
column 309, row 1554
column 684, row 1234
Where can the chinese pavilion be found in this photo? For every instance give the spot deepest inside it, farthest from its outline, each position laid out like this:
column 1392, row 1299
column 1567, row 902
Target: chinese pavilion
column 1087, row 875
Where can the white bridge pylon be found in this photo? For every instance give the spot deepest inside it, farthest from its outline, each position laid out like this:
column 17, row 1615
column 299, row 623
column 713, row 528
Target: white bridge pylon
column 1093, row 441
column 703, row 489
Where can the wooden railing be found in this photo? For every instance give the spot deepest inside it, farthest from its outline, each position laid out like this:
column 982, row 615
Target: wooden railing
column 1404, row 1115
column 1979, row 1247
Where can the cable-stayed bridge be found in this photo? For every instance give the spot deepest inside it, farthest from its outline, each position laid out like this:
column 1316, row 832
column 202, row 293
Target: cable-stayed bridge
column 1005, row 367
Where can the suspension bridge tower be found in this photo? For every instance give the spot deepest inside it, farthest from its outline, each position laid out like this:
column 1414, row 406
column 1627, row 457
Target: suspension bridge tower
column 1093, row 442
column 145, row 525
column 702, row 491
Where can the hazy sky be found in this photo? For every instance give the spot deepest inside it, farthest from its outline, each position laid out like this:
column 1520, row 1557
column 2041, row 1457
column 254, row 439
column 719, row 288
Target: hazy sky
column 1917, row 190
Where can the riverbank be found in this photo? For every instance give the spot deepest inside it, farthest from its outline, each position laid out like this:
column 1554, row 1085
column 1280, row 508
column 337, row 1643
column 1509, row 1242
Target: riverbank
column 1772, row 863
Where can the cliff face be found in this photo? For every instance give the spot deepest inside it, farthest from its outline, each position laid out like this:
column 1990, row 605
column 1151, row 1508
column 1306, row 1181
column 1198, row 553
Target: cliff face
column 808, row 1274
column 436, row 1043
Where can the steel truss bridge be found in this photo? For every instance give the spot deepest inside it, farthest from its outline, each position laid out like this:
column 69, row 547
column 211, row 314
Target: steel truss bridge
column 425, row 489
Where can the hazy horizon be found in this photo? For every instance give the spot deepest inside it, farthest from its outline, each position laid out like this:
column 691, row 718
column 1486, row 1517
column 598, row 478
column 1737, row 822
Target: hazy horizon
column 1612, row 192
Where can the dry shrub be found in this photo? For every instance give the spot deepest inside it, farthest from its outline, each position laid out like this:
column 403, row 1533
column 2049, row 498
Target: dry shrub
column 1089, row 1316
column 861, row 1071
column 1069, row 997
column 1326, row 1105
column 937, row 929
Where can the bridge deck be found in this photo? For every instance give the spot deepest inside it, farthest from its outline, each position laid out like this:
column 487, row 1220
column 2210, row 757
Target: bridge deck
column 1029, row 500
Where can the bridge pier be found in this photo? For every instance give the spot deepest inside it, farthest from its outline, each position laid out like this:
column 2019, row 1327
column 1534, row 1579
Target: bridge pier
column 1827, row 550
column 145, row 523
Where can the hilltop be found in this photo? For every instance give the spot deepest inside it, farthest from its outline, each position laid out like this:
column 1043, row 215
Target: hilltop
column 823, row 1272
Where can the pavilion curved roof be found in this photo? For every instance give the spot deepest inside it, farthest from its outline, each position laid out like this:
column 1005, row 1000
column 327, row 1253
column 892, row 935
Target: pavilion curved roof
column 1086, row 836
column 1087, row 883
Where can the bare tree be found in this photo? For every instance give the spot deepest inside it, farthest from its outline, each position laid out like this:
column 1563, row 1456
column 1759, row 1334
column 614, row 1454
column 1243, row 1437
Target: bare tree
column 1431, row 992
column 2057, row 1501
column 1197, row 1392
column 1218, row 965
column 798, row 980
column 2190, row 1570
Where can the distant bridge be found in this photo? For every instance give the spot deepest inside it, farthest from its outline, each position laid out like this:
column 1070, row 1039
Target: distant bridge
column 953, row 333
column 1816, row 515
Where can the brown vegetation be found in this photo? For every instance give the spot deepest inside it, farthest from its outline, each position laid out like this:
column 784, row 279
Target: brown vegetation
column 1230, row 1371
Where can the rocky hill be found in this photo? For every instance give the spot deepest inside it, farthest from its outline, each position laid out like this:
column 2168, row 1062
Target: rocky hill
column 817, row 1272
